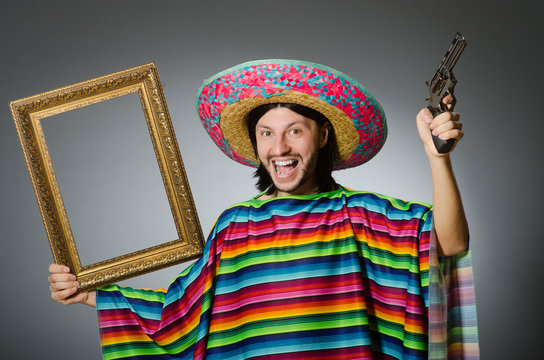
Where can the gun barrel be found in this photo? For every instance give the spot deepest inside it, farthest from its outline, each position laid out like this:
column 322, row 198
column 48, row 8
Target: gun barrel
column 455, row 50
column 445, row 67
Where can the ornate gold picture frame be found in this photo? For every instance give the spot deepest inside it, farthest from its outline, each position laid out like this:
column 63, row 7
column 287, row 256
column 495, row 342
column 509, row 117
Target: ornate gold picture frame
column 144, row 80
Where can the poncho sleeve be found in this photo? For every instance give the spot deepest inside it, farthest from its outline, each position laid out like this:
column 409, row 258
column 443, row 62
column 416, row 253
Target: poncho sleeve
column 446, row 283
column 161, row 324
column 453, row 331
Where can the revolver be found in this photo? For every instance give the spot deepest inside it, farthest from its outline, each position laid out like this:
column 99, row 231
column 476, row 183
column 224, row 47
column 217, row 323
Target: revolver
column 441, row 84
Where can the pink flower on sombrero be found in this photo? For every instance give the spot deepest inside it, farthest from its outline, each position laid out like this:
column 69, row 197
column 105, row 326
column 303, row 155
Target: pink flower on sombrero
column 224, row 101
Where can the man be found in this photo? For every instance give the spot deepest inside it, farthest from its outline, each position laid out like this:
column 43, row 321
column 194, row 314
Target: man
column 307, row 269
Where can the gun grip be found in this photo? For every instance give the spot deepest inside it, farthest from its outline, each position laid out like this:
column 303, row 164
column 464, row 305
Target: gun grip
column 442, row 146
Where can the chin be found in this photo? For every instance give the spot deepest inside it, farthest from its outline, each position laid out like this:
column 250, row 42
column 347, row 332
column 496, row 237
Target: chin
column 298, row 187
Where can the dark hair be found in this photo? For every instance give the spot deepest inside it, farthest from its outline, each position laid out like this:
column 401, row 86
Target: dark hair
column 327, row 156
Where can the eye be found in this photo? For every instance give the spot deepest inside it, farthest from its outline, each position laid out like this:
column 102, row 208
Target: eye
column 265, row 133
column 295, row 131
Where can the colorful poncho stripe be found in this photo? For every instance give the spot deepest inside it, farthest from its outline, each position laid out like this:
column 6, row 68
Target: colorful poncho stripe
column 339, row 275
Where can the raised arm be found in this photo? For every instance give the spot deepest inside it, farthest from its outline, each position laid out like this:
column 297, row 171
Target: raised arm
column 449, row 215
column 63, row 286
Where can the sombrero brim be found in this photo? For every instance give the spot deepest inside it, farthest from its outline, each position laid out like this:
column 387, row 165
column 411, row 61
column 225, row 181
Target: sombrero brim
column 225, row 100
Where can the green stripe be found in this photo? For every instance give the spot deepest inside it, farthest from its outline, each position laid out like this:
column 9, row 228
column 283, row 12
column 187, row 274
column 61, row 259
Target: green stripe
column 150, row 347
column 286, row 325
column 147, row 295
column 394, row 330
column 131, row 349
column 387, row 258
column 288, row 253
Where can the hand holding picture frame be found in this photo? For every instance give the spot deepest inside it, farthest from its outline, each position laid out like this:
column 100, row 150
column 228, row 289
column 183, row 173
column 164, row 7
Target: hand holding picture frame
column 28, row 114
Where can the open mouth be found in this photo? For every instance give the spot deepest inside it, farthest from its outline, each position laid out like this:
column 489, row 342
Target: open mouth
column 285, row 167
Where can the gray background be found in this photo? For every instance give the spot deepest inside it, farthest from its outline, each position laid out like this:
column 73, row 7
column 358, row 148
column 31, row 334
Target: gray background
column 391, row 47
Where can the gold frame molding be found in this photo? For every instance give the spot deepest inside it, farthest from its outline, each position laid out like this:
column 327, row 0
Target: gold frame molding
column 27, row 114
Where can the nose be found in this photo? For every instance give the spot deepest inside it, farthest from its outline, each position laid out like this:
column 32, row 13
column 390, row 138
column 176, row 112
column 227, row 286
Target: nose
column 281, row 146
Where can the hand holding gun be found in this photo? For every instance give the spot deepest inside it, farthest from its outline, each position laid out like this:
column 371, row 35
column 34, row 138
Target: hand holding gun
column 441, row 84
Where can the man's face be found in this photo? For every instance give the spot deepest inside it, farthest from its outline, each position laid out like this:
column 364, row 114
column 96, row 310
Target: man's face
column 288, row 144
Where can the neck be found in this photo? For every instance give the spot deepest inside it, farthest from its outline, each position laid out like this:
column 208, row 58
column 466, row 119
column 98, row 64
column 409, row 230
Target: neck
column 277, row 193
column 313, row 190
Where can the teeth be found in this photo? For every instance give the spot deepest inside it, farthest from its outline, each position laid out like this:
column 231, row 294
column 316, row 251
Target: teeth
column 284, row 163
column 279, row 163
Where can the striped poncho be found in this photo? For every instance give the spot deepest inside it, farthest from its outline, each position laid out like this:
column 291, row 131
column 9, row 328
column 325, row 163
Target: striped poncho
column 338, row 275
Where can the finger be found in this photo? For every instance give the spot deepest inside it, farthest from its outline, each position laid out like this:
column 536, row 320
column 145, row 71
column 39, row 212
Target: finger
column 444, row 118
column 56, row 268
column 454, row 134
column 448, row 99
column 63, row 294
column 62, row 285
column 425, row 115
column 61, row 277
column 449, row 125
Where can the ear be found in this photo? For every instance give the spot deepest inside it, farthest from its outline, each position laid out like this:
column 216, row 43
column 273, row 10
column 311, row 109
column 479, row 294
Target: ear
column 324, row 134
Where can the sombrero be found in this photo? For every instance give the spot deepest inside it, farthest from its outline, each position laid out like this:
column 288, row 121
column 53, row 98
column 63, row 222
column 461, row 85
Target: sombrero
column 224, row 101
